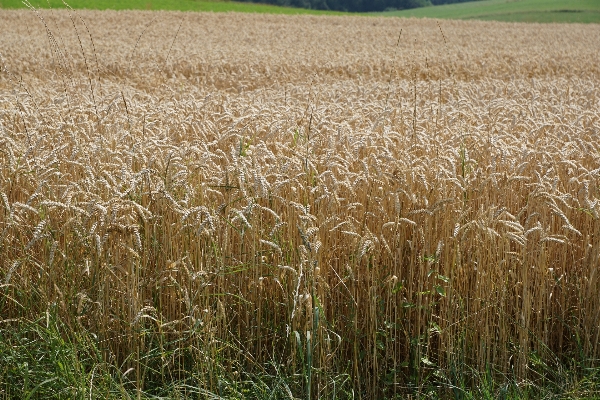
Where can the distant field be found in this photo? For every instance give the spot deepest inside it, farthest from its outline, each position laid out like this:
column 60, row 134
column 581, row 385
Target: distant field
column 579, row 11
column 584, row 11
column 171, row 5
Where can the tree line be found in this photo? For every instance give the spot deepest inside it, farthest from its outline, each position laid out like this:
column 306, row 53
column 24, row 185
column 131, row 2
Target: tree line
column 357, row 5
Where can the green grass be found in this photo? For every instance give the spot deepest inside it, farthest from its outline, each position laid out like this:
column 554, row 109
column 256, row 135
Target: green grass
column 584, row 11
column 173, row 5
column 48, row 358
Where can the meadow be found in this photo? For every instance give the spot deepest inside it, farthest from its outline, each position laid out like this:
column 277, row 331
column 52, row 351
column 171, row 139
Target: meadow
column 199, row 205
column 566, row 11
column 165, row 5
column 539, row 11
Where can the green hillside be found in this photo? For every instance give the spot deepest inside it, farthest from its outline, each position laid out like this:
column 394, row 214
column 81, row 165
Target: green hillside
column 583, row 11
column 586, row 11
column 181, row 5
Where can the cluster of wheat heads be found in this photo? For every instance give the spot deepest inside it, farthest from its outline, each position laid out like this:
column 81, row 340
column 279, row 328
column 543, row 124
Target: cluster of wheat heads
column 302, row 194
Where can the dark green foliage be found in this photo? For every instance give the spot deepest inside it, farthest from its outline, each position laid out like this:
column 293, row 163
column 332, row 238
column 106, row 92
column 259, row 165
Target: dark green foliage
column 438, row 2
column 357, row 5
column 350, row 5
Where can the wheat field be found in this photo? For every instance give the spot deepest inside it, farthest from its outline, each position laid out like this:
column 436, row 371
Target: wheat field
column 354, row 202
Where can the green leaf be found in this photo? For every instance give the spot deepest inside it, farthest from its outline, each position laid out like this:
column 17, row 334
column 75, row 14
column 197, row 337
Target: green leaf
column 435, row 328
column 426, row 361
column 398, row 287
column 35, row 389
column 440, row 290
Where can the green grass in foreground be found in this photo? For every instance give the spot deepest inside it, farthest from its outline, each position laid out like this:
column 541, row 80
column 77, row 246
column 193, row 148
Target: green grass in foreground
column 172, row 5
column 585, row 11
column 48, row 358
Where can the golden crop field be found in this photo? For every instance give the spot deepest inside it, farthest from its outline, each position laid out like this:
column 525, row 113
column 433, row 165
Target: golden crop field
column 361, row 204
